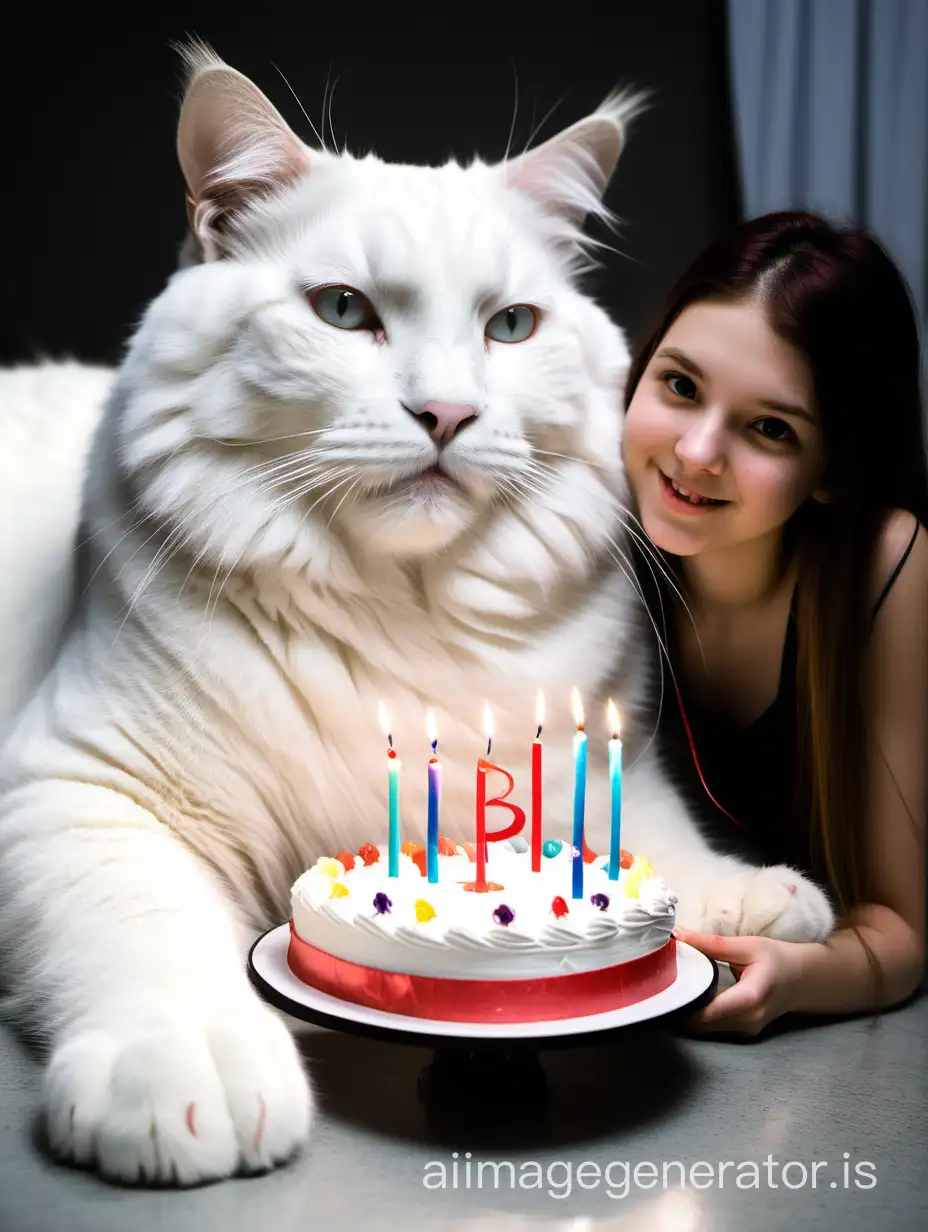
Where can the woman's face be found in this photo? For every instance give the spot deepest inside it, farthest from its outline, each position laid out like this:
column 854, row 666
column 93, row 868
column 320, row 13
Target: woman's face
column 725, row 412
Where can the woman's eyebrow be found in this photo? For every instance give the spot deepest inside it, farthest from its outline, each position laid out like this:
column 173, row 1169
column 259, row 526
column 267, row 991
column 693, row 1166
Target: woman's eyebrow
column 769, row 404
column 683, row 360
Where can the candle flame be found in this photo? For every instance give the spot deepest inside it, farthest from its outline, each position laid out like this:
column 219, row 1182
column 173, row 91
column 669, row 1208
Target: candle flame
column 612, row 717
column 540, row 709
column 487, row 721
column 384, row 718
column 576, row 706
column 430, row 727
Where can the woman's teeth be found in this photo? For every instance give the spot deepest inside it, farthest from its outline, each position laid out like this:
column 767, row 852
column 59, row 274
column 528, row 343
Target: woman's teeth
column 690, row 497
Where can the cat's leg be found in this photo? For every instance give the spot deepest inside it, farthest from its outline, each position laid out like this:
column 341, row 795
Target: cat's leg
column 716, row 893
column 122, row 951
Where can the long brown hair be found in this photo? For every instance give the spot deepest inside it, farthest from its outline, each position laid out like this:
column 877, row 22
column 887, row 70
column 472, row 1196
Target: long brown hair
column 835, row 295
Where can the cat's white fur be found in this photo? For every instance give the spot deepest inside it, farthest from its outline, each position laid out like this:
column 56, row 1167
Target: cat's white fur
column 210, row 725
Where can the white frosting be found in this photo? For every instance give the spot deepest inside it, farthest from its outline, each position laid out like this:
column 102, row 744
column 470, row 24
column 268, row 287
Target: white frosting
column 462, row 940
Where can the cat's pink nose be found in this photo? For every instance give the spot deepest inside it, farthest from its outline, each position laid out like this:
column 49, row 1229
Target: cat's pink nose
column 443, row 420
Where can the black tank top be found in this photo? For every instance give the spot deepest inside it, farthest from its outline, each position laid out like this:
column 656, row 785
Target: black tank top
column 749, row 770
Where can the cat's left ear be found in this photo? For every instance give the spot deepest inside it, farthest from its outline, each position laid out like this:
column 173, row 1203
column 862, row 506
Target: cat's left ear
column 568, row 174
column 233, row 145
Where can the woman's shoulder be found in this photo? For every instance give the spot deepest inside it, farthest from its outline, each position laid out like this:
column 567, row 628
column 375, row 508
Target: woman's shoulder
column 901, row 552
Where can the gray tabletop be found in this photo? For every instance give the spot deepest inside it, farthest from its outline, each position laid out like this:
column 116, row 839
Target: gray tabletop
column 842, row 1104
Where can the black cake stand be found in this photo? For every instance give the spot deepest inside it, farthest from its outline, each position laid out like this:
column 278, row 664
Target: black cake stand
column 475, row 1061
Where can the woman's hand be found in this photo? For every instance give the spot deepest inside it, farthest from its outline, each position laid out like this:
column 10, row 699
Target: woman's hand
column 766, row 973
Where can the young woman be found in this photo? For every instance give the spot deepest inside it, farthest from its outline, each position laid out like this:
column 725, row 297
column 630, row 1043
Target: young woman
column 774, row 444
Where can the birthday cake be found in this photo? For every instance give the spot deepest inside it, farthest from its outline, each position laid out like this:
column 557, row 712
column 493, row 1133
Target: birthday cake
column 515, row 947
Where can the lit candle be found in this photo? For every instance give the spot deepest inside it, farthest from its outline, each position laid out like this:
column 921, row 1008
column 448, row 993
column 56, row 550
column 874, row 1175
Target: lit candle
column 431, row 842
column 579, row 795
column 394, row 766
column 536, row 783
column 483, row 768
column 615, row 782
column 480, row 885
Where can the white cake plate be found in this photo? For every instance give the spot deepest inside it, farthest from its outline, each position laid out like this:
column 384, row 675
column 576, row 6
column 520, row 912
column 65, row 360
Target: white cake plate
column 695, row 985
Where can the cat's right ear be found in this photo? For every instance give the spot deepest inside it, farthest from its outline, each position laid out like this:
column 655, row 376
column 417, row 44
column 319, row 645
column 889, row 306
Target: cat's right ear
column 568, row 174
column 233, row 146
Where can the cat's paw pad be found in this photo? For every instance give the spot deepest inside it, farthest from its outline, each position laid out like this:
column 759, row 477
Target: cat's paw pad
column 773, row 902
column 167, row 1102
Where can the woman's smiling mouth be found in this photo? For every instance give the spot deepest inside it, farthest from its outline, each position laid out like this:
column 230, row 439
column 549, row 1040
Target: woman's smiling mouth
column 683, row 500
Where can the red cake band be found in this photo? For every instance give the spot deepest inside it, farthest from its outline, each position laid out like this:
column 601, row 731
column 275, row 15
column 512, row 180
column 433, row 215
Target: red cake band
column 574, row 995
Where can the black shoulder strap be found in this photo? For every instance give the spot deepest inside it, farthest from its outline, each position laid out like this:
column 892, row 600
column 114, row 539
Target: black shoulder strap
column 895, row 573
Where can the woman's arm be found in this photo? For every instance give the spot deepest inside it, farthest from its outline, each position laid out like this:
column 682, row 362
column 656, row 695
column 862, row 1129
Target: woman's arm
column 837, row 976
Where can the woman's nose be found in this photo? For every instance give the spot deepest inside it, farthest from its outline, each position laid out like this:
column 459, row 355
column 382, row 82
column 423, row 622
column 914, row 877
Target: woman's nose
column 702, row 447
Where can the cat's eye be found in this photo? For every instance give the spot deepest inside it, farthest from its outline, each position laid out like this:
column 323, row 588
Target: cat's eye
column 344, row 308
column 513, row 324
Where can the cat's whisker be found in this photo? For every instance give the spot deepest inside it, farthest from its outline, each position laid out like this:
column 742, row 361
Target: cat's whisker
column 647, row 547
column 318, row 480
column 515, row 112
column 210, row 607
column 315, row 131
column 268, row 440
column 224, row 493
column 549, row 453
column 542, row 122
column 140, row 521
column 629, row 573
column 176, row 540
column 345, row 494
column 302, row 457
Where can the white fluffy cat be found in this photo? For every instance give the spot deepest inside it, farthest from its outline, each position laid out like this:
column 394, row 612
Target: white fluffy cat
column 365, row 447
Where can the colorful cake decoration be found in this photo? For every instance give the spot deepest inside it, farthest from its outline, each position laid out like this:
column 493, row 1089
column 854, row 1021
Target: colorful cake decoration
column 339, row 890
column 558, row 906
column 369, row 853
column 504, row 915
column 551, row 847
column 346, row 858
column 329, row 867
column 600, row 900
column 382, row 903
column 641, row 870
column 424, row 910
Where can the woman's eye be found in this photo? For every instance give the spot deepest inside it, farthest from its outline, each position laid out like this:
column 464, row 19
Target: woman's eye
column 681, row 386
column 344, row 308
column 513, row 324
column 775, row 430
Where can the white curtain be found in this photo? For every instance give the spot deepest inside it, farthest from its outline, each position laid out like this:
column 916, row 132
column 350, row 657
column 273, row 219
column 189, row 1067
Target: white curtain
column 831, row 114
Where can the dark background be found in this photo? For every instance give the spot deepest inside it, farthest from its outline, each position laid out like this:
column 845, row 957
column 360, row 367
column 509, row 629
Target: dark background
column 92, row 95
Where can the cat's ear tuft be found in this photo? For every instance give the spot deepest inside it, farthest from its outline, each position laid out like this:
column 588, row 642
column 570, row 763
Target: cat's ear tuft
column 233, row 146
column 568, row 174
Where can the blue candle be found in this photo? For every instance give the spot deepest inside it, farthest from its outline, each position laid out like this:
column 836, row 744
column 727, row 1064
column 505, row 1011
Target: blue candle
column 394, row 765
column 393, row 791
column 431, row 845
column 579, row 797
column 615, row 783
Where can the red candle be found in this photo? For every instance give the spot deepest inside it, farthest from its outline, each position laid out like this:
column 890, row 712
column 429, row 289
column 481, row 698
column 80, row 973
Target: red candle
column 482, row 768
column 536, row 784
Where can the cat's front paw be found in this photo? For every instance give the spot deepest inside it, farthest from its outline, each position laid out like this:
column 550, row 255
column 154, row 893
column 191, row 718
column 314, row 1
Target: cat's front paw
column 169, row 1101
column 773, row 902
